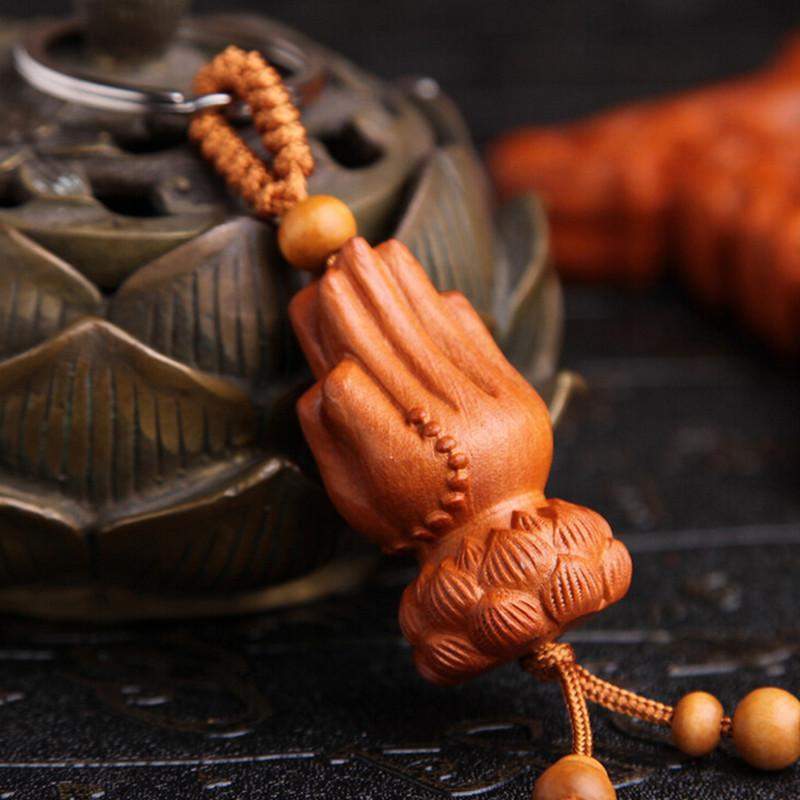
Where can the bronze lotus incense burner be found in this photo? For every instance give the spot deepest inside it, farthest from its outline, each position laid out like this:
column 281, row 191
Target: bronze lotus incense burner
column 151, row 463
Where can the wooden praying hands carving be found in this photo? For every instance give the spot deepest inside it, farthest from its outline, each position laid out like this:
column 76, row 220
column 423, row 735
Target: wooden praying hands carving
column 429, row 441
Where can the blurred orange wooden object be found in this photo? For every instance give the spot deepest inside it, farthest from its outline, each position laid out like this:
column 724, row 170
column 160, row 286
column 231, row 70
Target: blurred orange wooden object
column 706, row 179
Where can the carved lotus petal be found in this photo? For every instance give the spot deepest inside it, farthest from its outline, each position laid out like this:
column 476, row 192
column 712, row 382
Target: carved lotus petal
column 420, row 584
column 617, row 571
column 470, row 554
column 577, row 529
column 412, row 621
column 447, row 226
column 104, row 419
column 212, row 303
column 536, row 294
column 575, row 590
column 518, row 559
column 507, row 620
column 451, row 593
column 40, row 543
column 448, row 659
column 233, row 533
column 229, row 530
column 40, row 294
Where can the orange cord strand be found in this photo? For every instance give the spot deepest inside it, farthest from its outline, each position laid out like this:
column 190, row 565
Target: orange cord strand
column 250, row 78
column 578, row 712
column 556, row 661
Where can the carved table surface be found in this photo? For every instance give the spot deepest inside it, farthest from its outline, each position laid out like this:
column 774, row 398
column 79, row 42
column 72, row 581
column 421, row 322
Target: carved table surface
column 689, row 442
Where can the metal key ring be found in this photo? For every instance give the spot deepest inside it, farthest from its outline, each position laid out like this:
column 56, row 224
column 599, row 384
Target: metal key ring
column 33, row 62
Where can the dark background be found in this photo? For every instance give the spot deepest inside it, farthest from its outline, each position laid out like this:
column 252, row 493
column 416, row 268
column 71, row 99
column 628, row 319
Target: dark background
column 507, row 62
column 688, row 442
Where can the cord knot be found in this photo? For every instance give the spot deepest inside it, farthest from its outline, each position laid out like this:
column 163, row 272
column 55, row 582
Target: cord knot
column 548, row 661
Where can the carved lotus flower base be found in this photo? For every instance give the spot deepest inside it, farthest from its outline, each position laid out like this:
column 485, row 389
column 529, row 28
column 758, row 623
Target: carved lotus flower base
column 496, row 599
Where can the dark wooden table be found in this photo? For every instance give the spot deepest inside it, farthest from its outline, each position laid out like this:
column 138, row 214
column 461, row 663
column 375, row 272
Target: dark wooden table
column 688, row 441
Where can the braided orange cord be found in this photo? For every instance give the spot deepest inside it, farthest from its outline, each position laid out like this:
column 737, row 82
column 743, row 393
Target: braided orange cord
column 556, row 661
column 621, row 701
column 553, row 662
column 250, row 78
column 581, row 723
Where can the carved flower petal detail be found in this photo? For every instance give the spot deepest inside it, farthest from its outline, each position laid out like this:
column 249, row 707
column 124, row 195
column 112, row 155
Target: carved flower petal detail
column 470, row 554
column 40, row 294
column 617, row 571
column 104, row 419
column 495, row 600
column 448, row 659
column 213, row 303
column 41, row 545
column 507, row 620
column 575, row 590
column 518, row 559
column 451, row 593
column 410, row 616
column 537, row 292
column 446, row 226
column 231, row 533
column 577, row 529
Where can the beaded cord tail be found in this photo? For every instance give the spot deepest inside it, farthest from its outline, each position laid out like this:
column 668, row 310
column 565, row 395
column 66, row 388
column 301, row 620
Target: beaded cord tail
column 556, row 661
column 247, row 76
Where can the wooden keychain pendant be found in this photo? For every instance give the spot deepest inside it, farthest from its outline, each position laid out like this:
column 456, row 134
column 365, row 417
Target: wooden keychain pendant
column 429, row 442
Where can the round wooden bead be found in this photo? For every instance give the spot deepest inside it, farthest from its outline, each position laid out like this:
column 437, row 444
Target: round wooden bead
column 766, row 728
column 314, row 229
column 696, row 723
column 574, row 777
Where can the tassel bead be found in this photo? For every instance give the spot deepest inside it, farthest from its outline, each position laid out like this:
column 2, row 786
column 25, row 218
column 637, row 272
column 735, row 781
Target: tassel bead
column 696, row 724
column 573, row 777
column 766, row 728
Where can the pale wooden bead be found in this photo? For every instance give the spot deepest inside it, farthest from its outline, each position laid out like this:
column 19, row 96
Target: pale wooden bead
column 696, row 724
column 574, row 777
column 766, row 728
column 314, row 229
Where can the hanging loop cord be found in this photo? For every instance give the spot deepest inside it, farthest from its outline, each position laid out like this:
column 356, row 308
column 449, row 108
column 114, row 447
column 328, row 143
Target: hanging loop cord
column 271, row 192
column 555, row 661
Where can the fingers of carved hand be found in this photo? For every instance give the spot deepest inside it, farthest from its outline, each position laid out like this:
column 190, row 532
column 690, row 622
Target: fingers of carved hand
column 341, row 472
column 365, row 312
column 474, row 330
column 472, row 354
column 348, row 329
column 357, row 409
column 453, row 324
column 399, row 471
column 383, row 310
column 413, row 392
column 304, row 314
